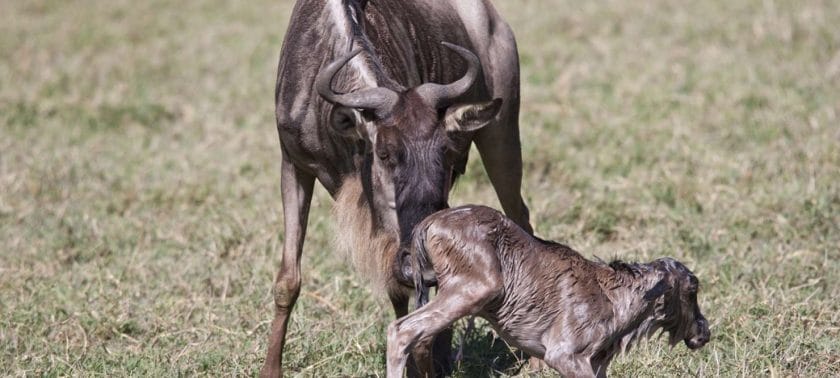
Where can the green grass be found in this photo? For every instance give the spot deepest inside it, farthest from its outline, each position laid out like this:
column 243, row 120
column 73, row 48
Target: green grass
column 139, row 183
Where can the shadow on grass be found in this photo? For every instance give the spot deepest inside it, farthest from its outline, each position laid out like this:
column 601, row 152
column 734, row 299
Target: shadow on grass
column 480, row 353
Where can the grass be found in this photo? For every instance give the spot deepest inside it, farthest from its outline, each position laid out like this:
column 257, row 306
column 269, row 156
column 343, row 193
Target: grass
column 139, row 183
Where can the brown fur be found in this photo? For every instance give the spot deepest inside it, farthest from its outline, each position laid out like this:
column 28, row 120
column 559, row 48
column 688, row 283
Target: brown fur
column 540, row 296
column 370, row 249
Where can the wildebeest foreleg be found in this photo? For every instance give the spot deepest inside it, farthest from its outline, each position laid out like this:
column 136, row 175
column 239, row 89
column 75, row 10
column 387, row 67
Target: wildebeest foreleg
column 498, row 143
column 442, row 353
column 296, row 187
column 501, row 155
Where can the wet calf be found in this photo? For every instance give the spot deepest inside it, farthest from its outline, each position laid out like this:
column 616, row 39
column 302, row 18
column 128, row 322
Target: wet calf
column 540, row 296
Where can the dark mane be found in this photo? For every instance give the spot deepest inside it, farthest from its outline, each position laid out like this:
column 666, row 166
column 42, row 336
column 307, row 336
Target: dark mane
column 354, row 11
column 619, row 266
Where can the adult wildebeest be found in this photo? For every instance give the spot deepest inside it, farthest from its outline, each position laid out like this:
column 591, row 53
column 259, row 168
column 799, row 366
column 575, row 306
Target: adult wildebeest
column 540, row 296
column 358, row 109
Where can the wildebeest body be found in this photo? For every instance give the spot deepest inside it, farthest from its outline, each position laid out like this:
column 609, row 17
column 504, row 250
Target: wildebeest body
column 379, row 101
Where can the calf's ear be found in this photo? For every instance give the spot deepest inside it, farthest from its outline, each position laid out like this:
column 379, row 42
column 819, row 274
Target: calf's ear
column 471, row 117
column 657, row 290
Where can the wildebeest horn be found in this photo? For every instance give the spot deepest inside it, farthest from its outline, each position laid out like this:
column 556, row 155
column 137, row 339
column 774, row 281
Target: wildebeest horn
column 441, row 95
column 380, row 100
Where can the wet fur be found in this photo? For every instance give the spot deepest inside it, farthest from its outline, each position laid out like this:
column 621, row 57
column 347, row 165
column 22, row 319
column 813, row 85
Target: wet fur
column 541, row 296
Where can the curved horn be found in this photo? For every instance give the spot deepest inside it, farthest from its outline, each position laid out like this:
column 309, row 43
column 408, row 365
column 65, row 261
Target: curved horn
column 441, row 95
column 380, row 100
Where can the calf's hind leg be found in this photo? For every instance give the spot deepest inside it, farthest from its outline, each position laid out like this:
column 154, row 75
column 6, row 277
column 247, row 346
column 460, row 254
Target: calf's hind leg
column 571, row 365
column 421, row 326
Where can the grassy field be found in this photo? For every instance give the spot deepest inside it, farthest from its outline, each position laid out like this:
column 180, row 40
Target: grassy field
column 140, row 220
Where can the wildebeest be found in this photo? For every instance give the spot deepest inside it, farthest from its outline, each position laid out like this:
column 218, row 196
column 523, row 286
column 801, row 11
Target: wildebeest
column 372, row 104
column 541, row 296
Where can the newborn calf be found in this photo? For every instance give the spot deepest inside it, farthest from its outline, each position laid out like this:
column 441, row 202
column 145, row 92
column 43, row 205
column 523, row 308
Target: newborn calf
column 541, row 297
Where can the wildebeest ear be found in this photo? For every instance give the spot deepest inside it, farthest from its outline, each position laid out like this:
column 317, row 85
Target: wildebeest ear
column 657, row 290
column 471, row 117
column 345, row 121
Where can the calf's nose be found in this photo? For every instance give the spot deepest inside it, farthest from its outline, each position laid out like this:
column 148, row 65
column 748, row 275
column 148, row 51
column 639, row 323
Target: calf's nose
column 701, row 339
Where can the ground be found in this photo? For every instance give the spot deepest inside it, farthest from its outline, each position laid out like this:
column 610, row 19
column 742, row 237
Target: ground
column 140, row 219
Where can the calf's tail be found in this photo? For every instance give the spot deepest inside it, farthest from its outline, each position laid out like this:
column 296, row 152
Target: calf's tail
column 422, row 271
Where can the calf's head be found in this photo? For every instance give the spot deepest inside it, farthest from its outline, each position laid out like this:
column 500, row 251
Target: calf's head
column 676, row 308
column 408, row 137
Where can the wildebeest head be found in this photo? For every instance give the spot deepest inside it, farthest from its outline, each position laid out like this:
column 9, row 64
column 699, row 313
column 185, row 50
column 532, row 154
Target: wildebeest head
column 677, row 309
column 408, row 137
